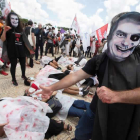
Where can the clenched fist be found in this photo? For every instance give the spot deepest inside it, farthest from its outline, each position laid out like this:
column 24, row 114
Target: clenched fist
column 106, row 95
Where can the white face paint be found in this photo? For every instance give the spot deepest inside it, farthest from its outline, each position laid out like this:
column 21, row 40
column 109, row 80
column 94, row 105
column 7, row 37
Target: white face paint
column 14, row 20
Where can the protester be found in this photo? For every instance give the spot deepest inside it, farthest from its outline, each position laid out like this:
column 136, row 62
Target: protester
column 29, row 119
column 73, row 46
column 97, row 45
column 2, row 64
column 92, row 44
column 18, row 46
column 39, row 41
column 115, row 103
column 50, row 41
column 29, row 31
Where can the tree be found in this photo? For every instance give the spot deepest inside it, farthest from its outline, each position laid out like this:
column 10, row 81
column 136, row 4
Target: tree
column 48, row 24
column 23, row 20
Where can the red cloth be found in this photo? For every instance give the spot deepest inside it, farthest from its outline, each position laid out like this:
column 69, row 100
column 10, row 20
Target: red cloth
column 97, row 45
column 34, row 86
column 54, row 41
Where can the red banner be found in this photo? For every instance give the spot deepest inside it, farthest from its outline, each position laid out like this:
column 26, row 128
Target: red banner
column 102, row 32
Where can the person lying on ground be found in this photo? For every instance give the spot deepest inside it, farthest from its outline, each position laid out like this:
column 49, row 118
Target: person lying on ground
column 26, row 117
column 70, row 106
column 49, row 61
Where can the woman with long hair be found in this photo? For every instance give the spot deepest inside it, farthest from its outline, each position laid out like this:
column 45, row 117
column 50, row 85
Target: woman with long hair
column 18, row 46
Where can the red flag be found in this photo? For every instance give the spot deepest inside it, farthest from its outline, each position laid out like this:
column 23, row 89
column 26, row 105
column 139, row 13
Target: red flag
column 75, row 25
column 102, row 32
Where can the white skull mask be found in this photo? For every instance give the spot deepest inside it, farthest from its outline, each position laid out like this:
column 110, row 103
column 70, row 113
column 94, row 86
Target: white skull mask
column 14, row 20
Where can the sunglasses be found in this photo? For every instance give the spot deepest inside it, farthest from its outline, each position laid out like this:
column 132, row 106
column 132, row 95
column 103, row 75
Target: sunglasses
column 134, row 37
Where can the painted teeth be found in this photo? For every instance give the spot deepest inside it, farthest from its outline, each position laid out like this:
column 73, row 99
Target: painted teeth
column 121, row 48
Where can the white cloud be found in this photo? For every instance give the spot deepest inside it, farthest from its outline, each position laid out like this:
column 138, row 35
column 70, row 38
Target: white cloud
column 114, row 7
column 138, row 8
column 99, row 11
column 29, row 9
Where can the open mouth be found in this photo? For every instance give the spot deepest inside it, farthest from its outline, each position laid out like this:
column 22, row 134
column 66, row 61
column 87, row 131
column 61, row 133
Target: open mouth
column 123, row 49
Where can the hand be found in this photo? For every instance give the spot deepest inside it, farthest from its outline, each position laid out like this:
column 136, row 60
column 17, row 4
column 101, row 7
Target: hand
column 32, row 52
column 7, row 28
column 106, row 95
column 46, row 92
column 34, row 47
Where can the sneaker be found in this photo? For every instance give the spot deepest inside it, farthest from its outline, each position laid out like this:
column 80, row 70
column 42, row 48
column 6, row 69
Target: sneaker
column 3, row 73
column 85, row 92
column 14, row 82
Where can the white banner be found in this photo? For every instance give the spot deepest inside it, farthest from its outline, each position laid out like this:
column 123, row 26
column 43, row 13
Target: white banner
column 86, row 41
column 5, row 7
column 75, row 25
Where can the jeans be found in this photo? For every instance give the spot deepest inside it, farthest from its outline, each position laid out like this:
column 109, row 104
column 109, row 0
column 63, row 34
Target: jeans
column 77, row 108
column 84, row 128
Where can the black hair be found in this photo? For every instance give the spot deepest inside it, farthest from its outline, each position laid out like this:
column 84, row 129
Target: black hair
column 8, row 22
column 30, row 22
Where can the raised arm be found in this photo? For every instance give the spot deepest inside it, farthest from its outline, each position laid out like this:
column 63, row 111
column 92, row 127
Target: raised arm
column 109, row 96
column 3, row 36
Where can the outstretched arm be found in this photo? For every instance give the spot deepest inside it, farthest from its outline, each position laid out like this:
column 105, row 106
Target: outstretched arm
column 109, row 96
column 68, row 81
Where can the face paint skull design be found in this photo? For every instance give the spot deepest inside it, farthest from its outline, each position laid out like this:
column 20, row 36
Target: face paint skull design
column 14, row 20
column 124, row 40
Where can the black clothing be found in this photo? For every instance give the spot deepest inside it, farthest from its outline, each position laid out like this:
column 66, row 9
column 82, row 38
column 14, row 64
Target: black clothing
column 39, row 45
column 88, row 51
column 27, row 31
column 91, row 70
column 48, row 46
column 115, row 121
column 72, row 48
column 13, row 66
column 40, row 35
column 40, row 38
column 54, row 129
column 59, row 76
column 56, row 59
column 15, row 44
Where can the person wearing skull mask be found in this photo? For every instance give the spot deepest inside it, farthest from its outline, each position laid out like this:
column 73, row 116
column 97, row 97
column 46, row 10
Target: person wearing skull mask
column 18, row 46
column 114, row 111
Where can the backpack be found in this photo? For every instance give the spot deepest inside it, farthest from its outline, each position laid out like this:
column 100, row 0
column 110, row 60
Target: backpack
column 55, row 105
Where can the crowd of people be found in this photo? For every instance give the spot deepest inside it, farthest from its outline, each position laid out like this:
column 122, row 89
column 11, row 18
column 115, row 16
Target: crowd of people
column 113, row 113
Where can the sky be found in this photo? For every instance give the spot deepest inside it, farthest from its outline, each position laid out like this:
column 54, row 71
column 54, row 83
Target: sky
column 91, row 14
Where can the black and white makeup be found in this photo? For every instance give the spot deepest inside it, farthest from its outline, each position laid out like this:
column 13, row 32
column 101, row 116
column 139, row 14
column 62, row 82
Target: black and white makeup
column 124, row 40
column 14, row 20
